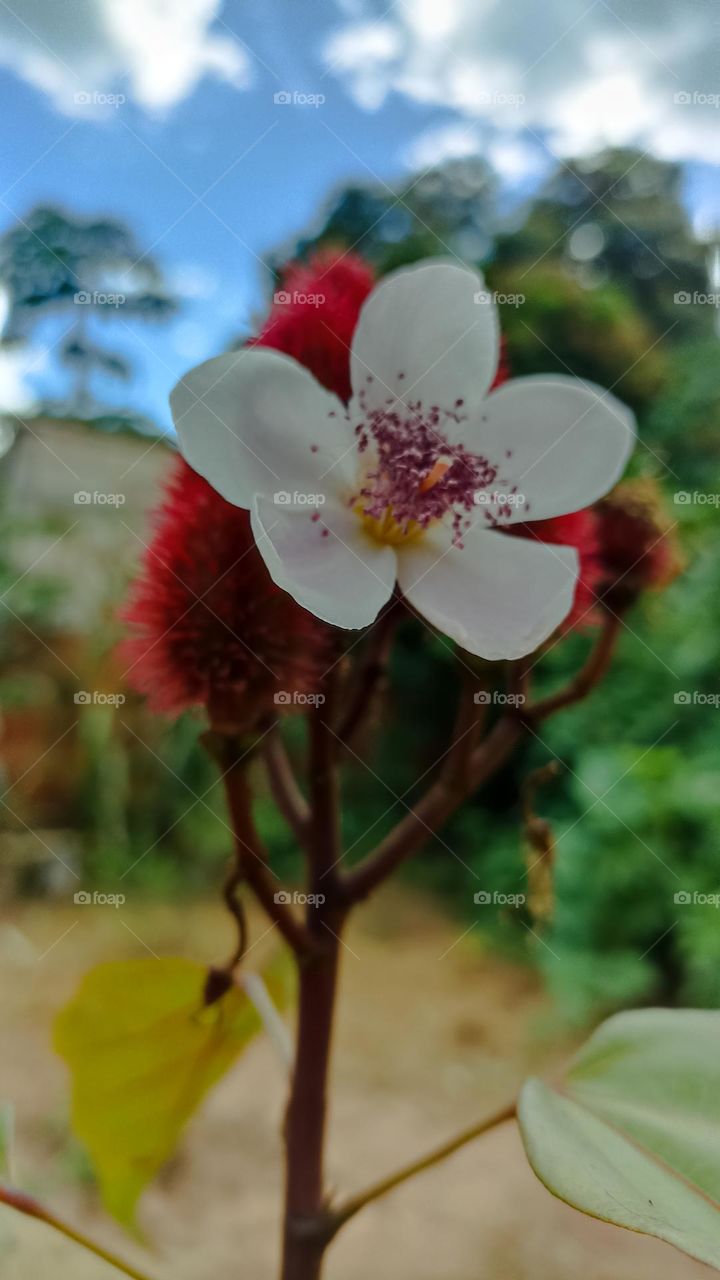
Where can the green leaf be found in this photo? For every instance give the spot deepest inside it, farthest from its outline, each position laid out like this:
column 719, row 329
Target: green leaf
column 632, row 1135
column 143, row 1050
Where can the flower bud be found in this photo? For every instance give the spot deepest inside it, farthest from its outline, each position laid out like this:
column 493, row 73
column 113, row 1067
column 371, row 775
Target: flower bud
column 638, row 548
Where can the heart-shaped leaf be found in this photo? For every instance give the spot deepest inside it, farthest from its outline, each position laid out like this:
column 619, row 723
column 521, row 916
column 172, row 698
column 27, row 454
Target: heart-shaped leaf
column 632, row 1133
column 143, row 1049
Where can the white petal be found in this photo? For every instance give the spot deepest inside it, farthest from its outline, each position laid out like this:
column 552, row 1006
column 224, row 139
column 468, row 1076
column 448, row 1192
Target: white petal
column 567, row 441
column 256, row 421
column 498, row 596
column 340, row 575
column 426, row 333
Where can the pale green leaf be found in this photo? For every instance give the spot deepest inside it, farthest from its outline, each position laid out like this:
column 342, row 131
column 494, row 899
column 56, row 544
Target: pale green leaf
column 143, row 1050
column 632, row 1134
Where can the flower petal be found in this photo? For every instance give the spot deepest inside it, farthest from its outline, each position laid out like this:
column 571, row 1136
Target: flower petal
column 426, row 333
column 561, row 443
column 255, row 421
column 499, row 597
column 329, row 565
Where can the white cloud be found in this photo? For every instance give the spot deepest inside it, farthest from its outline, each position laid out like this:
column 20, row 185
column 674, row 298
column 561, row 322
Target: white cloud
column 581, row 75
column 151, row 51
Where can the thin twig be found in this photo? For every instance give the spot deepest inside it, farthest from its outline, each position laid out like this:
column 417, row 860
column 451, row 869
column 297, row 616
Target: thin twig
column 284, row 786
column 587, row 677
column 352, row 1206
column 372, row 670
column 251, row 857
column 32, row 1208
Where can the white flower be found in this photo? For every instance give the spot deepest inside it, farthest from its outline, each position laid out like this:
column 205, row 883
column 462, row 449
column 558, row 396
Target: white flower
column 413, row 482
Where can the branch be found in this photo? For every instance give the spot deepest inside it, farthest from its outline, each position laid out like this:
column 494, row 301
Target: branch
column 253, row 862
column 352, row 1206
column 285, row 790
column 372, row 671
column 428, row 815
column 587, row 677
column 324, row 792
column 33, row 1209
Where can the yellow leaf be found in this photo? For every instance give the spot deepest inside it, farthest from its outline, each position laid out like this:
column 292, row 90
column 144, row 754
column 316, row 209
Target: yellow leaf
column 143, row 1050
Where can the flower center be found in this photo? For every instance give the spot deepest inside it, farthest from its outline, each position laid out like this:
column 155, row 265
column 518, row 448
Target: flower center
column 414, row 477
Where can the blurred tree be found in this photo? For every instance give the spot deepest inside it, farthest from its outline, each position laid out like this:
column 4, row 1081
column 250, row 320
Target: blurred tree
column 618, row 217
column 447, row 209
column 54, row 261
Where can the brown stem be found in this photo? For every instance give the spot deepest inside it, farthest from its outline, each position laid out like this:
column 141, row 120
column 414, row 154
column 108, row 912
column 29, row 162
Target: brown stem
column 466, row 768
column 306, row 1229
column 34, row 1209
column 372, row 670
column 587, row 677
column 352, row 1206
column 285, row 790
column 251, row 859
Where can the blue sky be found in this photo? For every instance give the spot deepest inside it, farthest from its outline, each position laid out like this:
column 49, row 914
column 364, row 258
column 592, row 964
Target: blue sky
column 212, row 174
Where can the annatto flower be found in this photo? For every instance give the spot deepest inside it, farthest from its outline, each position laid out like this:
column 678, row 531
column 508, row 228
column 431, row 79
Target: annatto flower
column 314, row 314
column 639, row 550
column 413, row 483
column 209, row 627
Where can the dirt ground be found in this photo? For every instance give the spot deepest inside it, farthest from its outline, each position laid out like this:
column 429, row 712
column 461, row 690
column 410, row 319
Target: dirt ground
column 432, row 1032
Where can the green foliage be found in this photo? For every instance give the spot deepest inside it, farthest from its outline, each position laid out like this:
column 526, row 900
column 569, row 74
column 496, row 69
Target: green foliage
column 631, row 1135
